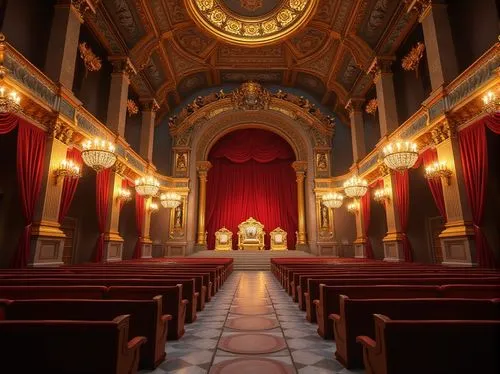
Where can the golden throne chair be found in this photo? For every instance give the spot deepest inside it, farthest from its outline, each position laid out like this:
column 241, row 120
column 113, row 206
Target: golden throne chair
column 278, row 239
column 251, row 235
column 223, row 240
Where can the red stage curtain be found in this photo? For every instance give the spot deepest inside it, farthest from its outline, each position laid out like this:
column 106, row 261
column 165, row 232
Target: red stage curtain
column 102, row 204
column 251, row 177
column 402, row 203
column 69, row 184
column 474, row 154
column 8, row 122
column 139, row 221
column 429, row 157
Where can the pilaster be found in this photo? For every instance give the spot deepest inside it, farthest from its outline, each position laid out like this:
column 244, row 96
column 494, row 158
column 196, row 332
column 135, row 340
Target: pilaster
column 149, row 108
column 118, row 93
column 176, row 244
column 202, row 167
column 386, row 97
column 355, row 108
column 300, row 168
column 47, row 237
column 360, row 242
column 145, row 240
column 113, row 242
column 457, row 239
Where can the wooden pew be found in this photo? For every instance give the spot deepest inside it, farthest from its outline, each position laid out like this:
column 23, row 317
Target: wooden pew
column 431, row 347
column 69, row 347
column 146, row 319
column 356, row 318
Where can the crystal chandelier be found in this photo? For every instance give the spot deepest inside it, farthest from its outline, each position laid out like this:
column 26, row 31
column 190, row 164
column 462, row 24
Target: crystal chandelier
column 147, row 186
column 9, row 101
column 382, row 194
column 353, row 207
column 438, row 170
column 124, row 195
column 491, row 102
column 170, row 200
column 99, row 154
column 400, row 156
column 355, row 187
column 332, row 200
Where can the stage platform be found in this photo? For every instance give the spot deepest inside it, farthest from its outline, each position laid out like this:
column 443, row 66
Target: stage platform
column 251, row 260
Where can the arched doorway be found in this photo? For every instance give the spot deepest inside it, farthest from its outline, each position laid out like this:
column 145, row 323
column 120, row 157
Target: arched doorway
column 251, row 176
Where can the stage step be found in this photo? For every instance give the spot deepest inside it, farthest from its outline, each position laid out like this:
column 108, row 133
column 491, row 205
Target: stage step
column 251, row 260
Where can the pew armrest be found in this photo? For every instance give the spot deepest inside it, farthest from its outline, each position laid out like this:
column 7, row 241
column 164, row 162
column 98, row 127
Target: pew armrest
column 136, row 342
column 334, row 317
column 366, row 341
column 166, row 317
column 316, row 302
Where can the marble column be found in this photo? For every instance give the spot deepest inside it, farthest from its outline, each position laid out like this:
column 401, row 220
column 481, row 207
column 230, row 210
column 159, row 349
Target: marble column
column 386, row 97
column 149, row 108
column 360, row 242
column 300, row 168
column 202, row 167
column 439, row 46
column 457, row 239
column 393, row 240
column 146, row 242
column 47, row 240
column 355, row 108
column 118, row 94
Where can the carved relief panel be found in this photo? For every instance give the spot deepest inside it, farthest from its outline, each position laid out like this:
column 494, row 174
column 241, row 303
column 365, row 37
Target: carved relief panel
column 322, row 162
column 181, row 162
column 178, row 221
column 325, row 221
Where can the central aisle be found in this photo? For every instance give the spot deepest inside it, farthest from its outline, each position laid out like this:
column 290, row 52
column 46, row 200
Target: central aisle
column 251, row 326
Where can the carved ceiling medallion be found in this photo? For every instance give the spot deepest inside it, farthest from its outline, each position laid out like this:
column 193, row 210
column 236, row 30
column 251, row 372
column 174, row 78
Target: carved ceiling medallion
column 236, row 28
column 251, row 5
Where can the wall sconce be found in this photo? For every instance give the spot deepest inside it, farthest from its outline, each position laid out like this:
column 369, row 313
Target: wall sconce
column 10, row 102
column 124, row 195
column 67, row 169
column 491, row 102
column 153, row 207
column 382, row 194
column 438, row 170
column 353, row 207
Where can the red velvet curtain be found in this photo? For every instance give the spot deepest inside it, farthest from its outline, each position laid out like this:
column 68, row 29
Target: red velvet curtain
column 429, row 157
column 139, row 221
column 474, row 155
column 251, row 177
column 102, row 204
column 402, row 203
column 69, row 184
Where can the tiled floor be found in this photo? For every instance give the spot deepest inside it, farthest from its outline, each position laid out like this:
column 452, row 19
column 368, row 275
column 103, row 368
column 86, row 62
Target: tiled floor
column 251, row 300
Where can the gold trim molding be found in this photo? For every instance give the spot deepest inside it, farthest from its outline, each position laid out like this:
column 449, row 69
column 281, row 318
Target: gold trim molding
column 285, row 19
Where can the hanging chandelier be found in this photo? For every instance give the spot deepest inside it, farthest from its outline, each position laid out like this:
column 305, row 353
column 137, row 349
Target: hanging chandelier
column 332, row 200
column 355, row 187
column 99, row 154
column 10, row 102
column 147, row 186
column 170, row 200
column 400, row 156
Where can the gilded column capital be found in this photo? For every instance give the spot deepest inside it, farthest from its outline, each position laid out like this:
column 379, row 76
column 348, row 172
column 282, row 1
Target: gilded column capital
column 122, row 65
column 421, row 7
column 61, row 131
column 381, row 65
column 149, row 105
column 300, row 167
column 355, row 104
column 443, row 131
column 383, row 170
column 80, row 6
column 203, row 167
column 120, row 168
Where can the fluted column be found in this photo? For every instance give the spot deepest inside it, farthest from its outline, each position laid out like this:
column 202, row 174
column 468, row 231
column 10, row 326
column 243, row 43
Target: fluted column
column 384, row 83
column 146, row 243
column 202, row 167
column 355, row 108
column 300, row 168
column 360, row 242
column 118, row 94
column 149, row 108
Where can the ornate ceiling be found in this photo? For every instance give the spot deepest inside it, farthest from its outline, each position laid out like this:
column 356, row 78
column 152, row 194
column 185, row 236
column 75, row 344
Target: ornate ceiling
column 177, row 54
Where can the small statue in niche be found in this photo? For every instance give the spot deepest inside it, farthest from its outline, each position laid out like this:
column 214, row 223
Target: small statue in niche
column 181, row 161
column 221, row 94
column 322, row 162
column 178, row 216
column 171, row 121
column 324, row 217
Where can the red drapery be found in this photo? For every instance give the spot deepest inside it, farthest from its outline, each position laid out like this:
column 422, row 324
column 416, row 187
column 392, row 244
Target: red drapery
column 429, row 157
column 69, row 184
column 251, row 177
column 474, row 155
column 30, row 157
column 139, row 222
column 402, row 203
column 102, row 204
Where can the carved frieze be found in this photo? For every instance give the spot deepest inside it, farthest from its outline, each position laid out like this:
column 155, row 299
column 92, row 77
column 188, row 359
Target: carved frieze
column 61, row 131
column 443, row 131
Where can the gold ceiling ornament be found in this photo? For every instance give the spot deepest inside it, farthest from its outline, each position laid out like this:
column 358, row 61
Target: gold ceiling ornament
column 91, row 61
column 250, row 96
column 372, row 107
column 132, row 108
column 412, row 60
column 218, row 19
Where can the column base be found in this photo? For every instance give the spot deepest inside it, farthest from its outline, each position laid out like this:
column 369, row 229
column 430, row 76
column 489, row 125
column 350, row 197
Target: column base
column 113, row 247
column 393, row 247
column 331, row 249
column 360, row 248
column 200, row 247
column 175, row 249
column 47, row 243
column 457, row 244
column 146, row 248
column 302, row 247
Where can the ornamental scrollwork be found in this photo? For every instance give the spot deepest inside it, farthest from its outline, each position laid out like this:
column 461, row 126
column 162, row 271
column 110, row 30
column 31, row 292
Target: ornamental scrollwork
column 60, row 131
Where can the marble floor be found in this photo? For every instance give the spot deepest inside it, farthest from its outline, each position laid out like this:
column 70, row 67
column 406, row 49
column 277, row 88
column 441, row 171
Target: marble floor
column 251, row 326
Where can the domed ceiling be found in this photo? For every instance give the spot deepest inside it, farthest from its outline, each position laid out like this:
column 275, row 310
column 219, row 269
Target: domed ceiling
column 325, row 49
